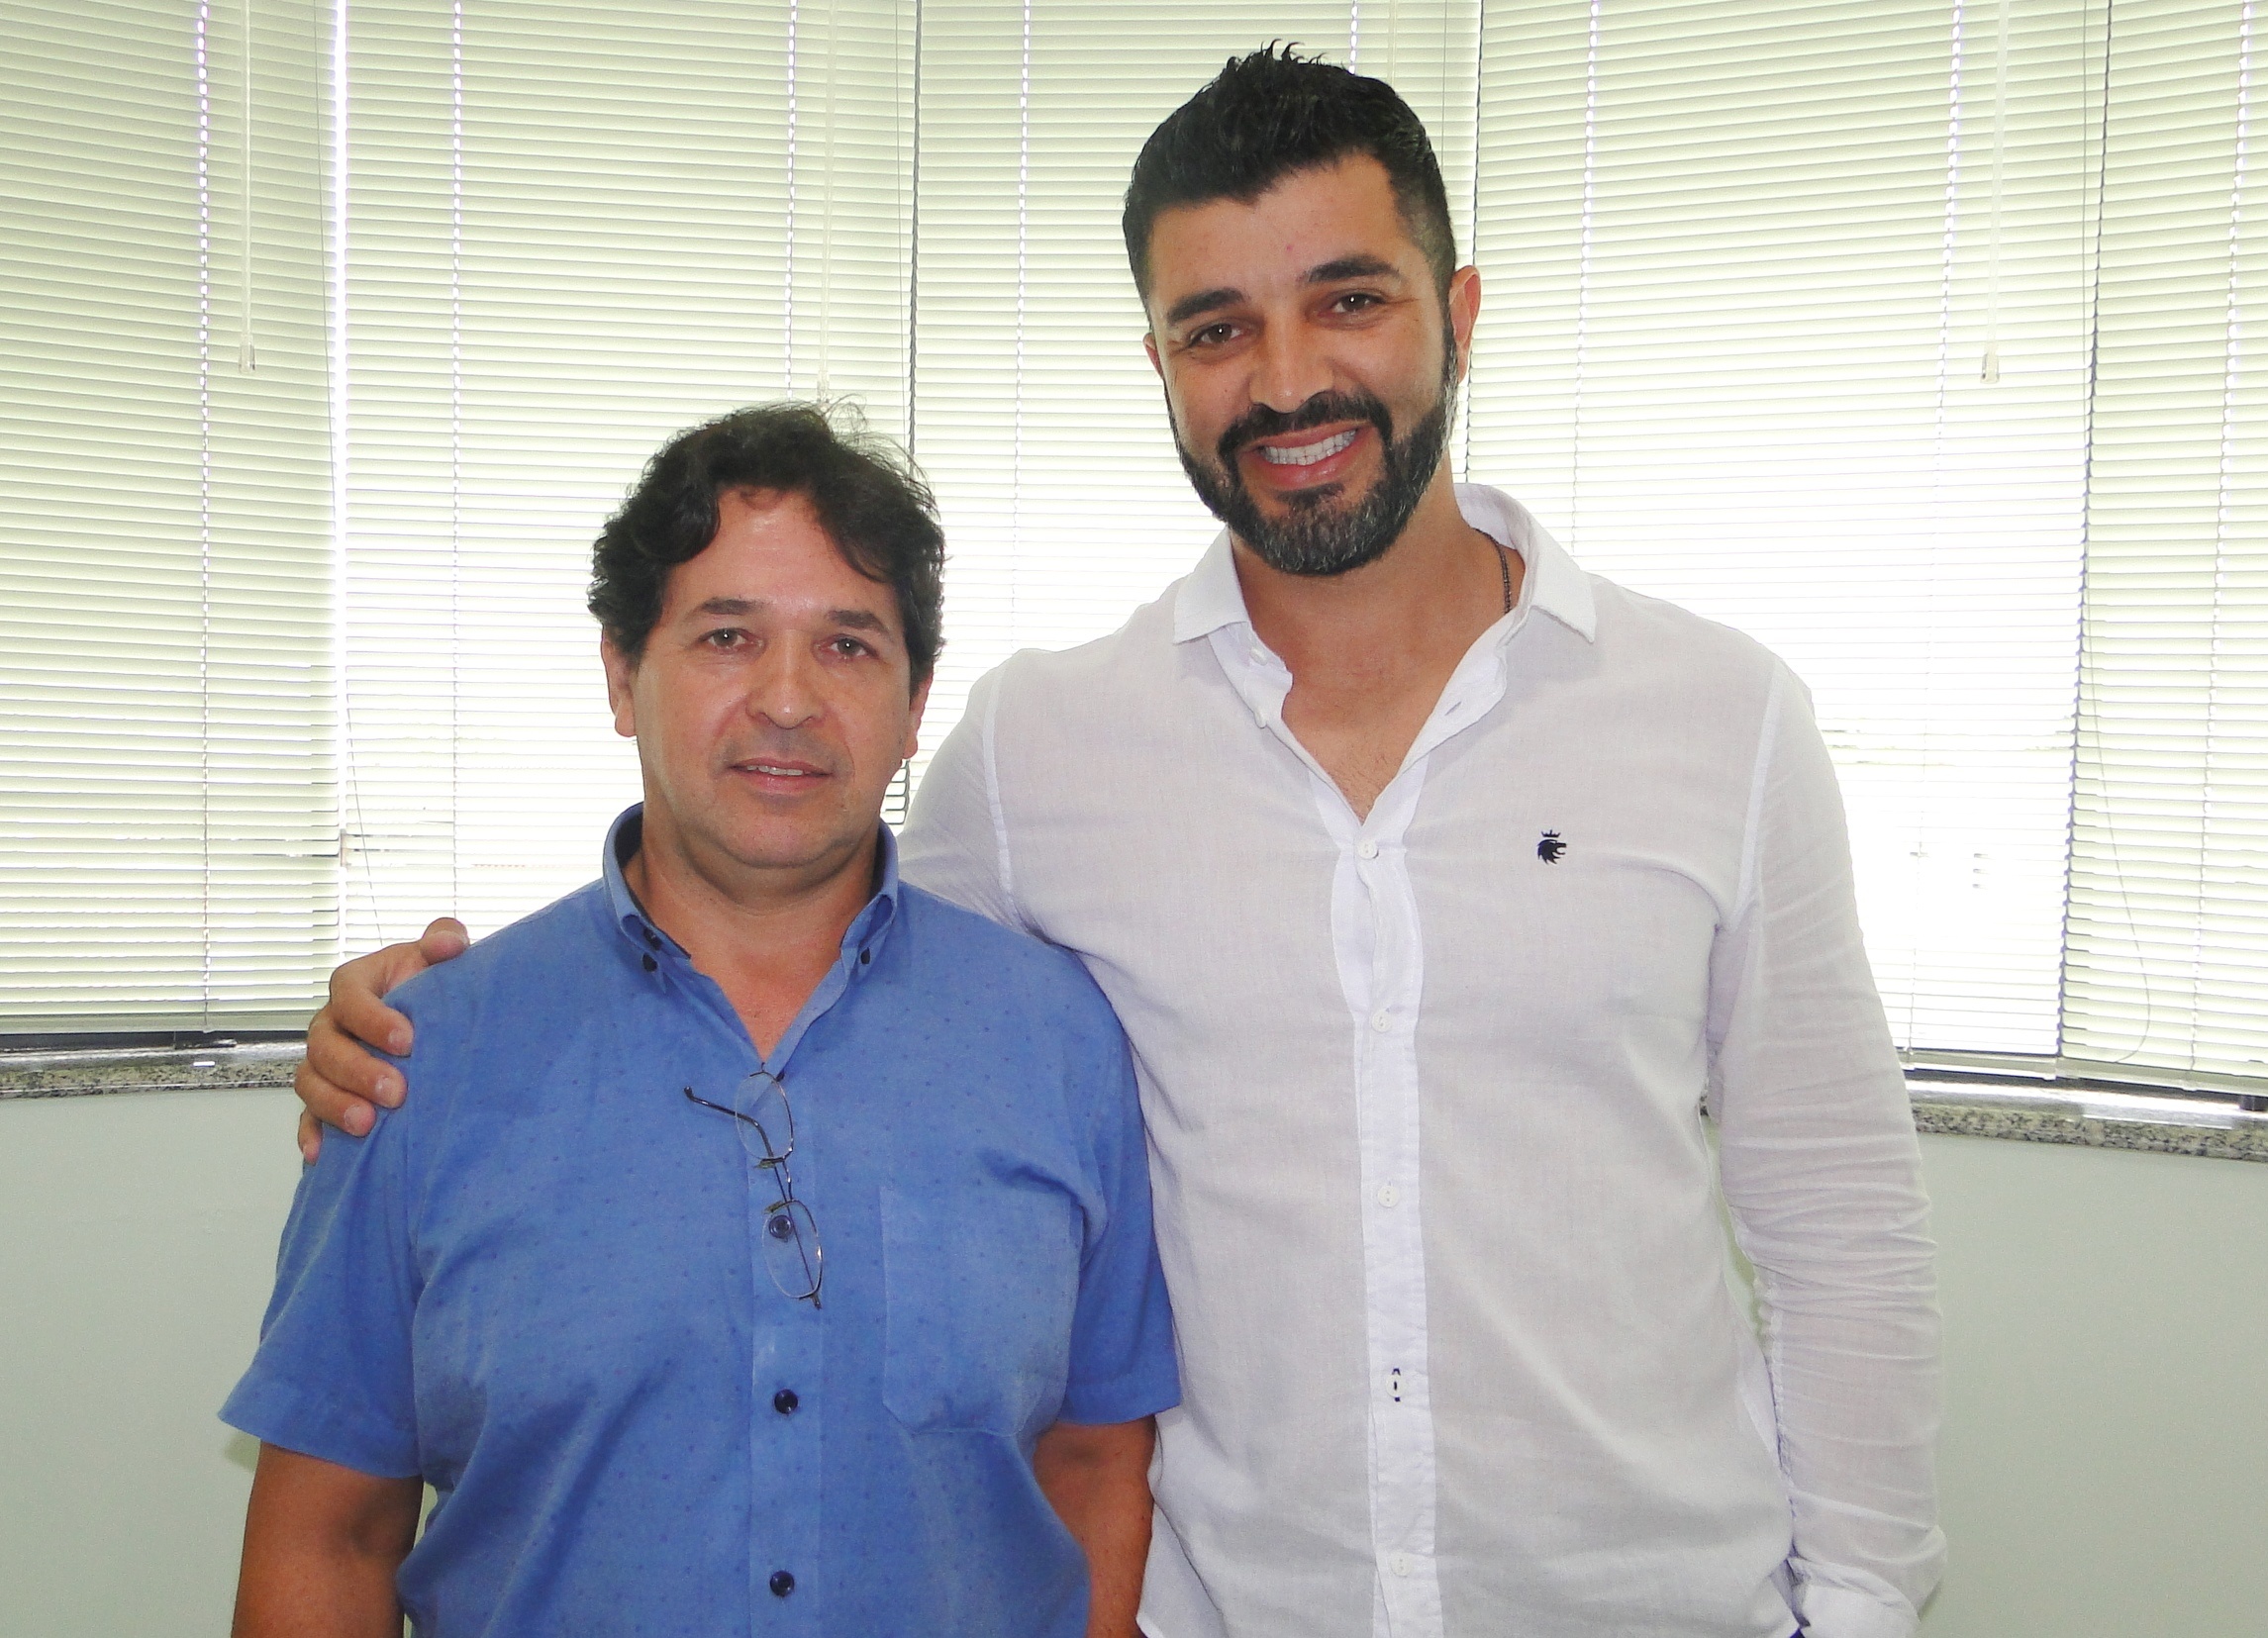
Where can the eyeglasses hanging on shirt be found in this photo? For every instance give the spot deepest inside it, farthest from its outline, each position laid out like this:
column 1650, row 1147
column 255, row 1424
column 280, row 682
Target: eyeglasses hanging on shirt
column 790, row 1239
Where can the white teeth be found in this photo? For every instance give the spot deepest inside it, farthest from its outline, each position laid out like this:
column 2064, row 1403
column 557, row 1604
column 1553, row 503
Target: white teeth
column 1306, row 454
column 790, row 773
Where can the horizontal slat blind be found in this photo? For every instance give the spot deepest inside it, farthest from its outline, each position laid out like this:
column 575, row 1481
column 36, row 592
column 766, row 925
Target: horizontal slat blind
column 571, row 237
column 1743, row 265
column 167, row 832
column 1871, row 329
column 2169, row 898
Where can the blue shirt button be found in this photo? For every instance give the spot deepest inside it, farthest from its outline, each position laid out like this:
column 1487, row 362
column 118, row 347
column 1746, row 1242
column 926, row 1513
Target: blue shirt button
column 782, row 1583
column 785, row 1402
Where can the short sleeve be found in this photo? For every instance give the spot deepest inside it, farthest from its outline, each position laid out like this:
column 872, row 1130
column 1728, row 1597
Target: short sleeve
column 332, row 1376
column 1121, row 1333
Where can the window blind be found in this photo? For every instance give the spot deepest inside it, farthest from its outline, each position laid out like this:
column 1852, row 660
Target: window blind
column 575, row 229
column 1911, row 337
column 167, row 838
column 1784, row 319
column 2168, row 973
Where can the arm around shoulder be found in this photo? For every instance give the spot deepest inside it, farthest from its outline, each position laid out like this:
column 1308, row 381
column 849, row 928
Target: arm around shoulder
column 341, row 1078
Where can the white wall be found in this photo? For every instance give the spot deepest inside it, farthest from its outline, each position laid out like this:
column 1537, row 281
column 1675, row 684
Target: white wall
column 137, row 1247
column 2105, row 1464
column 2105, row 1455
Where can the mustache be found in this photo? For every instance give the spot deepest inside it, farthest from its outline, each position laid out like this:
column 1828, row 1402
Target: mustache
column 1260, row 422
column 781, row 745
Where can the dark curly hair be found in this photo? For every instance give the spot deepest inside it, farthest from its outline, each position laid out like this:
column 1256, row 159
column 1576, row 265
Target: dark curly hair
column 870, row 498
column 1272, row 114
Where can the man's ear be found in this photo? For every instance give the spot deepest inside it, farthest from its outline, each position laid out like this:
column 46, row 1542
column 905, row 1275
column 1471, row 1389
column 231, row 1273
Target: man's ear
column 1150, row 345
column 913, row 719
column 621, row 671
column 1464, row 313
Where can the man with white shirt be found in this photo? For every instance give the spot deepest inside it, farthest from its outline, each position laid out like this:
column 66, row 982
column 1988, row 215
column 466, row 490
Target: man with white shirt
column 1440, row 887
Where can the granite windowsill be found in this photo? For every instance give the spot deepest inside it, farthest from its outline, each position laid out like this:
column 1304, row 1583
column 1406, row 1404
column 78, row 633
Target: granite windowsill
column 2097, row 1120
column 88, row 1074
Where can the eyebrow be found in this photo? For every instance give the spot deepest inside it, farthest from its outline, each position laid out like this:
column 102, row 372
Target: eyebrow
column 1358, row 266
column 1203, row 302
column 859, row 619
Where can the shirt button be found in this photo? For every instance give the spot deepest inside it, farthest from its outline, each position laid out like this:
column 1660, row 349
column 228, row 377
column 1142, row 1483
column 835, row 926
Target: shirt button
column 785, row 1402
column 1259, row 719
column 782, row 1583
column 1381, row 1022
column 648, row 960
column 1399, row 1564
column 1368, row 849
column 1387, row 1196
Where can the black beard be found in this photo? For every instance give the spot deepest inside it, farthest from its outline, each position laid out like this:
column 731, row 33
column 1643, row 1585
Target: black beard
column 1318, row 538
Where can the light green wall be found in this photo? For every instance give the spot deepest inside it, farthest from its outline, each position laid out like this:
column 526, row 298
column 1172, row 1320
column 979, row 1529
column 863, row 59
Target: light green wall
column 2106, row 1454
column 2105, row 1464
column 137, row 1247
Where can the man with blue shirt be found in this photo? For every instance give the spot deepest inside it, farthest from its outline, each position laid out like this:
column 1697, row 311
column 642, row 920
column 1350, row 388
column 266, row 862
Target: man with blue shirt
column 768, row 1245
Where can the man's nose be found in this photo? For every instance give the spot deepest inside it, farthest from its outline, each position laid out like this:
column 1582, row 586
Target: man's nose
column 1288, row 369
column 785, row 690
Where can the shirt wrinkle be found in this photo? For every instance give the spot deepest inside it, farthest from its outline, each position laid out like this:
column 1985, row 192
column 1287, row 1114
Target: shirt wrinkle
column 545, row 1284
column 1007, row 865
column 1441, row 1221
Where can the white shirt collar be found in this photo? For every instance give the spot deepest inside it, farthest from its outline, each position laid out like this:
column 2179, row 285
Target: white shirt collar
column 1211, row 597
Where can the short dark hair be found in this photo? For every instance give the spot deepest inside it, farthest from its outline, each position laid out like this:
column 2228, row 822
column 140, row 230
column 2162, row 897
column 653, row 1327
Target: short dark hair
column 871, row 500
column 1272, row 114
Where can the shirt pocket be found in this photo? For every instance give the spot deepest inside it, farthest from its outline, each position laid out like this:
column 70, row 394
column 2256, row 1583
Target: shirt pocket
column 980, row 1286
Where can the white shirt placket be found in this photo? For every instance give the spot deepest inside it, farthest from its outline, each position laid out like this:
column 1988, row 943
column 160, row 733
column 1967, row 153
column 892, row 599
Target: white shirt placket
column 1381, row 966
column 1379, row 946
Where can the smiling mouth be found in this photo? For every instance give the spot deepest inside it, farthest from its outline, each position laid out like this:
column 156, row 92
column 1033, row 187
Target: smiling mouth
column 1306, row 454
column 777, row 770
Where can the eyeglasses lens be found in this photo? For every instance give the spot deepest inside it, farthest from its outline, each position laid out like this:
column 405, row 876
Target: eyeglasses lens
column 791, row 1249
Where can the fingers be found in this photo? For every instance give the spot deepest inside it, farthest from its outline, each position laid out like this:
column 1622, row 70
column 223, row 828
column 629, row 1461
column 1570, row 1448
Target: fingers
column 445, row 939
column 356, row 1008
column 340, row 1067
column 339, row 1081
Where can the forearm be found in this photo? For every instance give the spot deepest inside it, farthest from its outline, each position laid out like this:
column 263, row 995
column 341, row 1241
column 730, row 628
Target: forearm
column 1098, row 1482
column 1852, row 1344
column 321, row 1553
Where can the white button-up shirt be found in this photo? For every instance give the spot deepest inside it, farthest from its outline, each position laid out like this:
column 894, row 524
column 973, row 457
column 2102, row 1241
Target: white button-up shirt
column 1435, row 1188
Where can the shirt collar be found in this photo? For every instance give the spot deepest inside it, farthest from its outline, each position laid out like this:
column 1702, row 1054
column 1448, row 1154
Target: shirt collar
column 866, row 930
column 1211, row 597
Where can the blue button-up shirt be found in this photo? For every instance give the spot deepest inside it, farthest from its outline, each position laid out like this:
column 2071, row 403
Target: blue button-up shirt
column 539, row 1284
